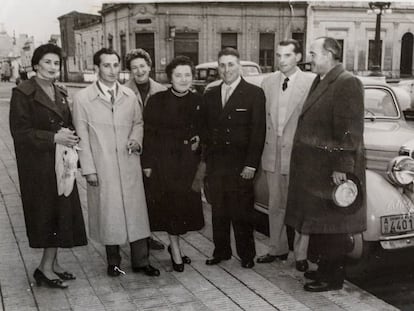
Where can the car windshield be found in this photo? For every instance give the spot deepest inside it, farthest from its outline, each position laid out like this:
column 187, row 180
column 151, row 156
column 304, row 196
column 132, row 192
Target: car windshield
column 250, row 70
column 379, row 103
column 209, row 74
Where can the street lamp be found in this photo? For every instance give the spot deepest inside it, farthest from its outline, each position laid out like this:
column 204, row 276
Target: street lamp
column 378, row 8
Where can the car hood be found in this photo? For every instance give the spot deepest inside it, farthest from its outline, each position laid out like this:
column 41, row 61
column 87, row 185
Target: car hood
column 387, row 135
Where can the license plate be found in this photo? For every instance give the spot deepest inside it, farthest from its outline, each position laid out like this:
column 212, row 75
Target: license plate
column 397, row 224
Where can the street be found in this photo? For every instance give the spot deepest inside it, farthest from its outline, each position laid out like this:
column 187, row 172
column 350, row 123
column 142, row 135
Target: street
column 276, row 286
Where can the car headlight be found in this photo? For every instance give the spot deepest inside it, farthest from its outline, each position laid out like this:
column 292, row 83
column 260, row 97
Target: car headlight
column 405, row 151
column 400, row 170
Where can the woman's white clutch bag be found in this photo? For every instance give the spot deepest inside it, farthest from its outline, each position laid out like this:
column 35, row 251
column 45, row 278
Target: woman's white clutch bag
column 66, row 166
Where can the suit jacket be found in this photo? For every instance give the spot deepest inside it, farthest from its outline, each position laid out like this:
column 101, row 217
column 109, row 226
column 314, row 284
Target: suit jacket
column 234, row 135
column 329, row 137
column 155, row 87
column 275, row 145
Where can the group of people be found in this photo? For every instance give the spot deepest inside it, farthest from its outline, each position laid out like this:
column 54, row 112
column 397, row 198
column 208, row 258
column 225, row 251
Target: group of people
column 146, row 150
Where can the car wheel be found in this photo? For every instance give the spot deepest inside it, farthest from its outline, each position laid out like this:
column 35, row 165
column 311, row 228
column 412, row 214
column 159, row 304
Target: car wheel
column 361, row 256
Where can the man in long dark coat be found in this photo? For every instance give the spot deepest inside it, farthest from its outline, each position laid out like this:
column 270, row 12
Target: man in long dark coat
column 328, row 147
column 235, row 127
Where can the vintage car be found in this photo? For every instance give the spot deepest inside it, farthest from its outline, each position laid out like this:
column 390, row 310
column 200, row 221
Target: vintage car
column 390, row 208
column 207, row 74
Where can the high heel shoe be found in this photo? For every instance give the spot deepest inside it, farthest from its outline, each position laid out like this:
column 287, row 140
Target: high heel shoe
column 66, row 276
column 41, row 278
column 179, row 267
column 186, row 259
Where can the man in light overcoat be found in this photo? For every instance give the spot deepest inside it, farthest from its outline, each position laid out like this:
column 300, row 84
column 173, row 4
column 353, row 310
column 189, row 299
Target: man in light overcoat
column 285, row 91
column 108, row 119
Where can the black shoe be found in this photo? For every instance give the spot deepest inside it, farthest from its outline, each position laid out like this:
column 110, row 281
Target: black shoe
column 155, row 245
column 248, row 264
column 270, row 258
column 302, row 265
column 114, row 270
column 147, row 270
column 185, row 259
column 179, row 267
column 67, row 276
column 313, row 275
column 216, row 260
column 320, row 286
column 41, row 278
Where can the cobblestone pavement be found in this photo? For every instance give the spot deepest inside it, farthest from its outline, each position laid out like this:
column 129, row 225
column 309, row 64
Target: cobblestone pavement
column 276, row 286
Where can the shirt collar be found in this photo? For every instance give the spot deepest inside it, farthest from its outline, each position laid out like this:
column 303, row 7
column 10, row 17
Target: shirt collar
column 292, row 76
column 233, row 85
column 104, row 89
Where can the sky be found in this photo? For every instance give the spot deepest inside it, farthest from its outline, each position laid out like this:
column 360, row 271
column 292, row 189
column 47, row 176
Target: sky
column 38, row 18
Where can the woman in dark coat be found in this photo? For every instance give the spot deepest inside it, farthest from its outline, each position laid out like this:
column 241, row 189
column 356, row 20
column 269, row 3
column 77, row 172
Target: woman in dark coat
column 171, row 157
column 39, row 119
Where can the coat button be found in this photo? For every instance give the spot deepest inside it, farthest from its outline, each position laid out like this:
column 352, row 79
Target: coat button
column 227, row 143
column 52, row 121
column 229, row 117
column 228, row 130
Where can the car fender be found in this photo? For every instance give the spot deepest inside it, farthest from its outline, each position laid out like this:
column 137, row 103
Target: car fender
column 383, row 199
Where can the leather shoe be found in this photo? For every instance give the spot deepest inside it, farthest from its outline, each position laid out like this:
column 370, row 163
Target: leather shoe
column 114, row 270
column 320, row 286
column 313, row 275
column 248, row 264
column 216, row 260
column 155, row 245
column 148, row 270
column 302, row 265
column 270, row 258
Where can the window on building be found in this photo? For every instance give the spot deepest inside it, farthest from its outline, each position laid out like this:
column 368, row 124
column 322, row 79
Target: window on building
column 300, row 37
column 110, row 43
column 371, row 55
column 85, row 62
column 341, row 43
column 122, row 40
column 229, row 39
column 186, row 43
column 93, row 45
column 267, row 52
column 146, row 41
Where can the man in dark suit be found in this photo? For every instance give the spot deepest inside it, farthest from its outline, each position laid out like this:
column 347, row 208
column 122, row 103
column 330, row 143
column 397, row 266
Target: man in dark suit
column 234, row 133
column 328, row 149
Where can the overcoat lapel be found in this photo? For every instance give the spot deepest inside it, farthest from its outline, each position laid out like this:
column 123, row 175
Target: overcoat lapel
column 322, row 87
column 42, row 98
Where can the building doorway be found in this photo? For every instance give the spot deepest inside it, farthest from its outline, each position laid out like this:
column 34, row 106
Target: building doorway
column 406, row 54
column 146, row 41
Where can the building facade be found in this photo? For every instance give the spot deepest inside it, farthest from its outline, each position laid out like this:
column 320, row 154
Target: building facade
column 68, row 23
column 88, row 40
column 199, row 29
column 354, row 28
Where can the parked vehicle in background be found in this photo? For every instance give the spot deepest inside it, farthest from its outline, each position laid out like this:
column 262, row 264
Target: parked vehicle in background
column 206, row 73
column 390, row 209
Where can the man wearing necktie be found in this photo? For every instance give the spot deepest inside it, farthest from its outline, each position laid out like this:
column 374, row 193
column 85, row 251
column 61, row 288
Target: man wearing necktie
column 108, row 120
column 285, row 92
column 234, row 131
column 328, row 148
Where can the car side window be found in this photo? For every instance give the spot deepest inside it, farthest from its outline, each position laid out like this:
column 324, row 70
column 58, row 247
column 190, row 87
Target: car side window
column 379, row 103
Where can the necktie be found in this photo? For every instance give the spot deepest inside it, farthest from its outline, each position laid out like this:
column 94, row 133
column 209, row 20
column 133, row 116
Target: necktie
column 112, row 96
column 285, row 84
column 226, row 95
